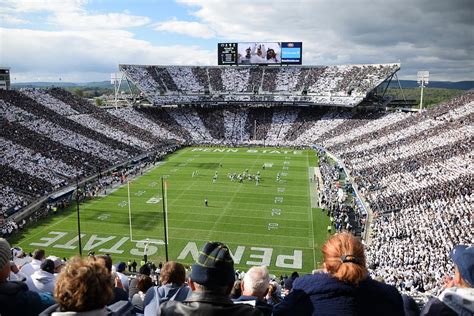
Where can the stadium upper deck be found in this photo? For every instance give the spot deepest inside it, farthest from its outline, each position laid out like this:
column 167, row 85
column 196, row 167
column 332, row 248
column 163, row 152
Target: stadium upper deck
column 341, row 85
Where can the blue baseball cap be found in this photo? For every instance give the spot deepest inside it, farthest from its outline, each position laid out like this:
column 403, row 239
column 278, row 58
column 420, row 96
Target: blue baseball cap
column 463, row 258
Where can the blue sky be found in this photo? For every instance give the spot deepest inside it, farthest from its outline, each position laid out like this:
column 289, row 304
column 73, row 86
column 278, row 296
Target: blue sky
column 85, row 40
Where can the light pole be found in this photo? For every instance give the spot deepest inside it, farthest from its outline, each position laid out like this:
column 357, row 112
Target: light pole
column 422, row 80
column 78, row 201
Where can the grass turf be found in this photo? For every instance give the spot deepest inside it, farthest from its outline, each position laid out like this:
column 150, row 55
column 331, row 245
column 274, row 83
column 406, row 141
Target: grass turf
column 258, row 226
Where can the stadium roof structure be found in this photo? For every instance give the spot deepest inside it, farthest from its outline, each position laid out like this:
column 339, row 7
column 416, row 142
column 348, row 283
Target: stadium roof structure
column 340, row 85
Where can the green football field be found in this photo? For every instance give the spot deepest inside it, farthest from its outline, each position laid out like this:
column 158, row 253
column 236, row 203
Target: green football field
column 274, row 223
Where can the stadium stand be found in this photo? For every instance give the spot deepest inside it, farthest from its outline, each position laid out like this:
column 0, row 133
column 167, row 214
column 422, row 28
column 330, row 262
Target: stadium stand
column 344, row 85
column 414, row 170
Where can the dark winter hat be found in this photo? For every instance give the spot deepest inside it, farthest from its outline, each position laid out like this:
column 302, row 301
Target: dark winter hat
column 289, row 284
column 463, row 258
column 5, row 253
column 121, row 266
column 48, row 266
column 145, row 269
column 214, row 266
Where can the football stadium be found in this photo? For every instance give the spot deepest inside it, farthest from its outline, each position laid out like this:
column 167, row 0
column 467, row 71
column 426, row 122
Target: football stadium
column 258, row 179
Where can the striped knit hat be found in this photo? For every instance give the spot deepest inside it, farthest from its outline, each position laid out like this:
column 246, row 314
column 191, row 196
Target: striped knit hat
column 215, row 266
column 5, row 253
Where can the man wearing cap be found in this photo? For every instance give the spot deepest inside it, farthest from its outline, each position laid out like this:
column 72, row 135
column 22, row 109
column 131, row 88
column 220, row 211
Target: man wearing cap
column 211, row 281
column 458, row 297
column 15, row 298
column 123, row 278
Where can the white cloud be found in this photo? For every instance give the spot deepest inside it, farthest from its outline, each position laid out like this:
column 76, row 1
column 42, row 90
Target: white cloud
column 193, row 29
column 79, row 20
column 421, row 34
column 98, row 53
column 27, row 6
column 11, row 20
column 71, row 14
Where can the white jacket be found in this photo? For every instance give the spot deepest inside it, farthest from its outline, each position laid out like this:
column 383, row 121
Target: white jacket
column 43, row 282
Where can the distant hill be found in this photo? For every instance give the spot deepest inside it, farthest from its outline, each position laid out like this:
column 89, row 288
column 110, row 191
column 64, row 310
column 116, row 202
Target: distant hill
column 98, row 84
column 460, row 85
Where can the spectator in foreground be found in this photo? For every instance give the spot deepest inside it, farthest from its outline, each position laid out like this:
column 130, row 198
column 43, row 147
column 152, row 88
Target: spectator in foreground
column 211, row 280
column 133, row 286
column 458, row 297
column 254, row 288
column 273, row 296
column 344, row 288
column 15, row 298
column 35, row 264
column 43, row 280
column 143, row 284
column 121, row 267
column 119, row 292
column 83, row 288
column 173, row 288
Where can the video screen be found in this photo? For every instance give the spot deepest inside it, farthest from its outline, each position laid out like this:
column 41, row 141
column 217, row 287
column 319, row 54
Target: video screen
column 291, row 52
column 259, row 53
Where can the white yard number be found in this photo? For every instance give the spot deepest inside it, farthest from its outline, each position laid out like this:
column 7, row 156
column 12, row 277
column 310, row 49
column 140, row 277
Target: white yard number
column 284, row 174
column 278, row 199
column 285, row 167
column 139, row 193
column 286, row 162
column 122, row 204
column 281, row 190
column 276, row 211
column 272, row 226
column 153, row 184
column 154, row 200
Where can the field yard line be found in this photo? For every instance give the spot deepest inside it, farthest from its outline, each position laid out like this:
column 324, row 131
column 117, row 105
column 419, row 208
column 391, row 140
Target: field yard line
column 50, row 226
column 229, row 202
column 311, row 212
column 238, row 233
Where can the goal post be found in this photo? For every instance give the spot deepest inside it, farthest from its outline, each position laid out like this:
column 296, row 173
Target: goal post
column 148, row 240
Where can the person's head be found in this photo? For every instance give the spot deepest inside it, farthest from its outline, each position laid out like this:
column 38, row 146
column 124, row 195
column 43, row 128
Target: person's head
column 83, row 285
column 145, row 269
column 271, row 53
column 255, row 282
column 38, row 254
column 106, row 260
column 47, row 266
column 144, row 282
column 214, row 270
column 463, row 258
column 5, row 256
column 58, row 263
column 173, row 273
column 121, row 267
column 344, row 258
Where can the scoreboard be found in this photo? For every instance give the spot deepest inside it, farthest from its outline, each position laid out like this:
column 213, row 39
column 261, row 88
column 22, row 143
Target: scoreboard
column 260, row 53
column 227, row 53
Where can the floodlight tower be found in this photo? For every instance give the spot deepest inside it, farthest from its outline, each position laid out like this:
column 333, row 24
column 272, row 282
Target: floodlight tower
column 423, row 80
column 116, row 79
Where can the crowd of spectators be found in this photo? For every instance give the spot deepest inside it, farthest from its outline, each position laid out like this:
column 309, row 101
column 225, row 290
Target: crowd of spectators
column 37, row 284
column 413, row 169
column 343, row 85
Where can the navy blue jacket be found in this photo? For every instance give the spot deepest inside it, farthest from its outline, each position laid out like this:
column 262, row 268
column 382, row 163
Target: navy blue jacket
column 322, row 294
column 265, row 308
column 16, row 299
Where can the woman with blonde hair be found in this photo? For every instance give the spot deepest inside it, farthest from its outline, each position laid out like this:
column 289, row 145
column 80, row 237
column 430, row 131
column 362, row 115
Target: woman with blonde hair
column 343, row 288
column 83, row 288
